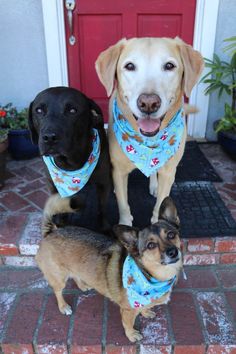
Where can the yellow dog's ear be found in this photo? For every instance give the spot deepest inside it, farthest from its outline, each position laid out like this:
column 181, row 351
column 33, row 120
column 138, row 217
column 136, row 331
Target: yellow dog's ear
column 106, row 64
column 193, row 65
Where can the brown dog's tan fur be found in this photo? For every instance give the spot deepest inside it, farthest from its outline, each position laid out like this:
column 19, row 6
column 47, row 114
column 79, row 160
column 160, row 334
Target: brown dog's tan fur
column 96, row 261
column 149, row 56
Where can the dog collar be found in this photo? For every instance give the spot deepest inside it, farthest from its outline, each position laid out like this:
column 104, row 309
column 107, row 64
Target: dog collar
column 68, row 183
column 140, row 290
column 148, row 153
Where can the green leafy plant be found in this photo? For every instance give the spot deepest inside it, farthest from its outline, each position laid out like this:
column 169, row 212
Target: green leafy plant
column 222, row 78
column 3, row 135
column 11, row 118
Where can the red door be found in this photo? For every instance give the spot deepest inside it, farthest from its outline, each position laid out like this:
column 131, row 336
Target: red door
column 101, row 23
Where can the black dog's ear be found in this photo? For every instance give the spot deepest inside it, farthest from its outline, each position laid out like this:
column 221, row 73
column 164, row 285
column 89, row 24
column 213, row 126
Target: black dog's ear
column 168, row 211
column 97, row 116
column 33, row 131
column 128, row 236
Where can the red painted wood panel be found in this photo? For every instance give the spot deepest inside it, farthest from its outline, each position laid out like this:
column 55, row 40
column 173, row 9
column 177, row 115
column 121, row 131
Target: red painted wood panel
column 99, row 24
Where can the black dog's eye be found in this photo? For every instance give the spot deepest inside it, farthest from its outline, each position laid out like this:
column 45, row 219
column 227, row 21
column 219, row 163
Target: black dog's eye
column 151, row 245
column 171, row 235
column 169, row 66
column 72, row 110
column 130, row 67
column 39, row 110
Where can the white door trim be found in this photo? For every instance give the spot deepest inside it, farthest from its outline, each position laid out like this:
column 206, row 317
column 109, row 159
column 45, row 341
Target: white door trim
column 204, row 41
column 54, row 31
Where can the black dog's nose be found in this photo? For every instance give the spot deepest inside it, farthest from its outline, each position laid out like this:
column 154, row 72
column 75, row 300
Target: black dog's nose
column 149, row 103
column 172, row 252
column 50, row 138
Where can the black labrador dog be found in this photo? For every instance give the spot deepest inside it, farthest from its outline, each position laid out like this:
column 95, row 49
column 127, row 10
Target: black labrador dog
column 62, row 122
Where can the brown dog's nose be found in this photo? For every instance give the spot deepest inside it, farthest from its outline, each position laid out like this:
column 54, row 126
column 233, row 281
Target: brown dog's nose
column 172, row 252
column 149, row 103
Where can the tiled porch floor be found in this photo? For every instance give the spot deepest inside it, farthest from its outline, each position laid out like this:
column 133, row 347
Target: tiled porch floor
column 201, row 317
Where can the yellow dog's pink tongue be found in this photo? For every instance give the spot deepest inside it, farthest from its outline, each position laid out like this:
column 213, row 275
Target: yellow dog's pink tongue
column 149, row 125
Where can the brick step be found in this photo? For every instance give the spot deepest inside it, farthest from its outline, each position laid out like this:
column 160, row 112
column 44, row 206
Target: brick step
column 20, row 235
column 201, row 317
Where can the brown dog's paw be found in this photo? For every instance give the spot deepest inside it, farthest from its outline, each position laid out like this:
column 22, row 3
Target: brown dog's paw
column 148, row 313
column 66, row 310
column 134, row 335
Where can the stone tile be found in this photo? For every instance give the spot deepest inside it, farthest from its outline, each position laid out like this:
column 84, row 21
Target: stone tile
column 189, row 349
column 19, row 261
column 11, row 227
column 219, row 329
column 227, row 277
column 38, row 197
column 6, row 302
column 24, row 320
column 155, row 330
column 31, row 236
column 221, row 349
column 55, row 326
column 88, row 321
column 17, row 349
column 13, row 279
column 201, row 259
column 198, row 278
column 27, row 173
column 228, row 258
column 225, row 245
column 131, row 349
column 231, row 296
column 115, row 331
column 151, row 349
column 184, row 318
column 30, row 186
column 52, row 349
column 200, row 246
column 13, row 201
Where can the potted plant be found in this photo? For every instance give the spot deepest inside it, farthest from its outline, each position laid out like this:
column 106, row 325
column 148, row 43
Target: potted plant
column 16, row 122
column 222, row 78
column 3, row 154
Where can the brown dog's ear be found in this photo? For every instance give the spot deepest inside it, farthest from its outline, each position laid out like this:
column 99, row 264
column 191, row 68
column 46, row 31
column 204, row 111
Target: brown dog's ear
column 128, row 236
column 33, row 131
column 97, row 116
column 168, row 211
column 106, row 64
column 193, row 65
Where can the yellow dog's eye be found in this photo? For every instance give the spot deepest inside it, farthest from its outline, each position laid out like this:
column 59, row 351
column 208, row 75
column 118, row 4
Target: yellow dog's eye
column 151, row 245
column 130, row 67
column 169, row 66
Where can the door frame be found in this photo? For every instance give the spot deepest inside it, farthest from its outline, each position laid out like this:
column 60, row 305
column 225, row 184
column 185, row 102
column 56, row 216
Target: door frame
column 204, row 41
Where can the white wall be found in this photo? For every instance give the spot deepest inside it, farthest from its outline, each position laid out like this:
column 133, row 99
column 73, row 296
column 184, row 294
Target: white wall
column 23, row 66
column 226, row 27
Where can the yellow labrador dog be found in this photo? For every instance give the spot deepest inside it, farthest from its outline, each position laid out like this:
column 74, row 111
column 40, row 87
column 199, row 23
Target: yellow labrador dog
column 148, row 78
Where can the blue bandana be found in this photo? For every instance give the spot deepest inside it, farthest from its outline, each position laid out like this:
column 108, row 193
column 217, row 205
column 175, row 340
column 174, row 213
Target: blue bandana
column 140, row 290
column 148, row 153
column 70, row 182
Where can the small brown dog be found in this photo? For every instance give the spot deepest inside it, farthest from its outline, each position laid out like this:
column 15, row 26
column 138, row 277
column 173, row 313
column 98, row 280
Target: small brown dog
column 116, row 268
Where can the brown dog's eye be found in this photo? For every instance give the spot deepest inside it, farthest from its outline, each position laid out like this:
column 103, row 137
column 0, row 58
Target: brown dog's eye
column 169, row 66
column 151, row 245
column 130, row 67
column 171, row 235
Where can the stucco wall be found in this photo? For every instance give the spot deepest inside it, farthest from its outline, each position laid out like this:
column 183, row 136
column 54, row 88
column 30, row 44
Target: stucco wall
column 226, row 27
column 23, row 67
